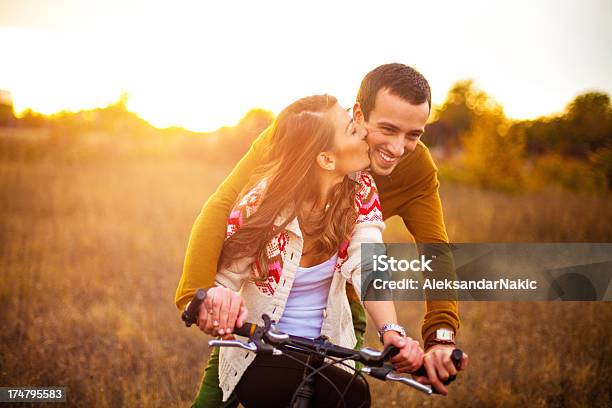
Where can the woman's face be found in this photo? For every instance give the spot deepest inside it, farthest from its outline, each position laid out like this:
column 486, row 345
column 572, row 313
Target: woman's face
column 351, row 151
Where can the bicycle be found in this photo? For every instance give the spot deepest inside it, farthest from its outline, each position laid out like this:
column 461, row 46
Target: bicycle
column 268, row 340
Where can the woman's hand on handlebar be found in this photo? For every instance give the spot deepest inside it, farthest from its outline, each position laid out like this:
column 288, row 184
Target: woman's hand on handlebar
column 410, row 356
column 222, row 310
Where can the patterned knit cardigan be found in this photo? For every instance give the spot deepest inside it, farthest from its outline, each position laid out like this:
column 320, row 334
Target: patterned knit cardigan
column 283, row 257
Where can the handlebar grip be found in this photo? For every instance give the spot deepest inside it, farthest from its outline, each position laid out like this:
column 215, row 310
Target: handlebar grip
column 420, row 371
column 456, row 357
column 246, row 330
column 389, row 352
column 190, row 315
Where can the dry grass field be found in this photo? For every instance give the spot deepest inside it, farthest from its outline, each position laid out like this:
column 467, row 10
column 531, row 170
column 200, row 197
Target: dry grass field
column 91, row 253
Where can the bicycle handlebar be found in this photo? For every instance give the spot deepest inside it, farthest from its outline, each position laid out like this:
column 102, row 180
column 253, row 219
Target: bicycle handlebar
column 264, row 339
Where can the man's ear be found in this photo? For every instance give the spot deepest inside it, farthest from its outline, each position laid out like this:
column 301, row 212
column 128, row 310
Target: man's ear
column 327, row 161
column 358, row 113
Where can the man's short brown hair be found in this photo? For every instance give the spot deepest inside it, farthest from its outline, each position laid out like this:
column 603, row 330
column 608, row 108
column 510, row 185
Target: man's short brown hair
column 399, row 79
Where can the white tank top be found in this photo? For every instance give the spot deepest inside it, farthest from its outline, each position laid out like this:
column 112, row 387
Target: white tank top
column 303, row 314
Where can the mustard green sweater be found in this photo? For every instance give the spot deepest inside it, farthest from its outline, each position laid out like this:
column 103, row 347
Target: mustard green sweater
column 410, row 191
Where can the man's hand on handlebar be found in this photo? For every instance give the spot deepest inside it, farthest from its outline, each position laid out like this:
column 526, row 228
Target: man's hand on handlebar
column 222, row 311
column 410, row 356
column 439, row 367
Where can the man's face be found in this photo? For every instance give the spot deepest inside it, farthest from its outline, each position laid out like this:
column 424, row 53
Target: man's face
column 394, row 128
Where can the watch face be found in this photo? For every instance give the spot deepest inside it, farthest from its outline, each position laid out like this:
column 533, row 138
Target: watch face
column 444, row 335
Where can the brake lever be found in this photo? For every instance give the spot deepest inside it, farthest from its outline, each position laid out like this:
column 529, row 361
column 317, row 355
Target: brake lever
column 386, row 373
column 410, row 382
column 233, row 343
column 256, row 335
column 250, row 346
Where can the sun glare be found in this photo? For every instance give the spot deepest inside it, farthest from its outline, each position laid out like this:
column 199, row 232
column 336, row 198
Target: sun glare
column 202, row 66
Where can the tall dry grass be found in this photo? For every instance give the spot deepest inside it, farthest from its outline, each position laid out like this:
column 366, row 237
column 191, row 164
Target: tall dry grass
column 91, row 252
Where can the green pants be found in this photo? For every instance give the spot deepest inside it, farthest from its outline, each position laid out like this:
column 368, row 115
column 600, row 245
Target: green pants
column 210, row 395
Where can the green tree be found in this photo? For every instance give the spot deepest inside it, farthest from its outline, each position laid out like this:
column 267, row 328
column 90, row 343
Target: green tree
column 493, row 155
column 584, row 127
column 464, row 104
column 588, row 124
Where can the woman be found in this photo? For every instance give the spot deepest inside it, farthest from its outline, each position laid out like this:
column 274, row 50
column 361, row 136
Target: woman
column 293, row 242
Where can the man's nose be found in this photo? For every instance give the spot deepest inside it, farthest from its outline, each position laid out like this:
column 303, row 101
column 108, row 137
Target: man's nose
column 397, row 147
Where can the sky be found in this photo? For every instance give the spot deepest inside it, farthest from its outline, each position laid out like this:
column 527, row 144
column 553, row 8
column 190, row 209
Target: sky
column 202, row 65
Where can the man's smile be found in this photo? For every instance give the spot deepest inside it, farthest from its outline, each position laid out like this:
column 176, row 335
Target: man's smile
column 386, row 158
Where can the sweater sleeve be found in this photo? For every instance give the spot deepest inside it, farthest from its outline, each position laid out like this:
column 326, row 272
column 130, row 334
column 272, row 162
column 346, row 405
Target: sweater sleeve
column 234, row 275
column 368, row 229
column 208, row 231
column 421, row 210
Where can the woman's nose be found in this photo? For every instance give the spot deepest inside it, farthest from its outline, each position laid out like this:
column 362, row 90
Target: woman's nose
column 364, row 132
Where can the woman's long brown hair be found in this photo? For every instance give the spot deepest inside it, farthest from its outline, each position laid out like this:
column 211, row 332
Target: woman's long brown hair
column 299, row 133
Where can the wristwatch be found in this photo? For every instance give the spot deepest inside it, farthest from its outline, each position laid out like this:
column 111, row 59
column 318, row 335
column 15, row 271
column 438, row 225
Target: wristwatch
column 444, row 336
column 391, row 326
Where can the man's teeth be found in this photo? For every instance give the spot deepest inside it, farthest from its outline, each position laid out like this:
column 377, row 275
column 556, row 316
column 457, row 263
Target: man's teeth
column 386, row 157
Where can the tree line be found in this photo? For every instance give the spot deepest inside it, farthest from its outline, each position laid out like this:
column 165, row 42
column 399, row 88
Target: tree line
column 472, row 139
column 476, row 143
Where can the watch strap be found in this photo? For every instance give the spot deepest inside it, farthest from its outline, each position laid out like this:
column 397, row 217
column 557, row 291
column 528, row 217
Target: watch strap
column 391, row 326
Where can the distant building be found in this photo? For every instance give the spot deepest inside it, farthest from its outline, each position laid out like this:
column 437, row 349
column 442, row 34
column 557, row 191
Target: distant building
column 7, row 115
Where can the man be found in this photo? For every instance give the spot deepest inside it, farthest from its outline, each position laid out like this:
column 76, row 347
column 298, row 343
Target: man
column 393, row 104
